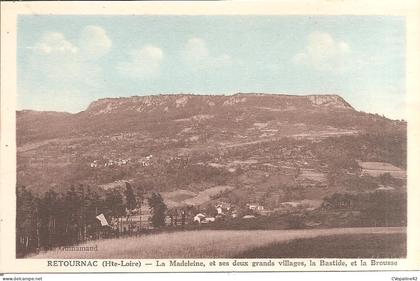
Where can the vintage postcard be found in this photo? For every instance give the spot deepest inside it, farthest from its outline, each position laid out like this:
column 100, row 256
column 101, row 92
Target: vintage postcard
column 210, row 136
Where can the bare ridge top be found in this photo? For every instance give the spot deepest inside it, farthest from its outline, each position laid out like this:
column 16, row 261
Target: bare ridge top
column 168, row 101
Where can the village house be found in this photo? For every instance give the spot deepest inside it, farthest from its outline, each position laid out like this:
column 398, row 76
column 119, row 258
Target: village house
column 146, row 161
column 222, row 208
column 198, row 218
column 255, row 207
column 208, row 220
column 121, row 162
column 234, row 214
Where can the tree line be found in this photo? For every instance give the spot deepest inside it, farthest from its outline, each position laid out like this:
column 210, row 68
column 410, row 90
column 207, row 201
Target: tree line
column 378, row 208
column 64, row 218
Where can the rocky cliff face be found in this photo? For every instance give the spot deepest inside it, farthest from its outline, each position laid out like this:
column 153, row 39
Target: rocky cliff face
column 329, row 100
column 167, row 103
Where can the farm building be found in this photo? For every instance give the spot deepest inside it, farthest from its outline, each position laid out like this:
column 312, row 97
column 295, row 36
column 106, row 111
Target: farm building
column 199, row 217
column 255, row 207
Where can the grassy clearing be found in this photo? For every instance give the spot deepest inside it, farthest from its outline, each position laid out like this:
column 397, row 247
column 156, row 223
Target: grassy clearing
column 205, row 243
column 205, row 195
column 336, row 246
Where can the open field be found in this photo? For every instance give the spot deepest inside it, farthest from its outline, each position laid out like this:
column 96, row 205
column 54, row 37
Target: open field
column 335, row 246
column 179, row 198
column 375, row 169
column 228, row 244
column 206, row 195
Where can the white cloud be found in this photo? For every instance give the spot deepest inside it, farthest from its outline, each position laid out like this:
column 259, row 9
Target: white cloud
column 58, row 64
column 323, row 53
column 198, row 56
column 54, row 43
column 60, row 61
column 63, row 73
column 144, row 63
column 94, row 42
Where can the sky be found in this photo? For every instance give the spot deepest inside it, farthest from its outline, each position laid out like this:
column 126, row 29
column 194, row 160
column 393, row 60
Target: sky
column 66, row 62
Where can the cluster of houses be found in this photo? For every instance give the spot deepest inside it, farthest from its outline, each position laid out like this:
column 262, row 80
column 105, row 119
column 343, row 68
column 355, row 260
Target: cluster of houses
column 140, row 218
column 119, row 162
column 109, row 163
column 252, row 210
column 144, row 162
column 225, row 210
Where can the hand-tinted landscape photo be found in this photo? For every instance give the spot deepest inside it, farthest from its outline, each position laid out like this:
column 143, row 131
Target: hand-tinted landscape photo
column 211, row 137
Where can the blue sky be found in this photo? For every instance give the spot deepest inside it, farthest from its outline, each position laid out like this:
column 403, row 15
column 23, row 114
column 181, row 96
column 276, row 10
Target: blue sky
column 66, row 62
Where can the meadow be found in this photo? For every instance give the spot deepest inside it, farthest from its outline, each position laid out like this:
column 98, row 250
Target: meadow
column 243, row 243
column 335, row 246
